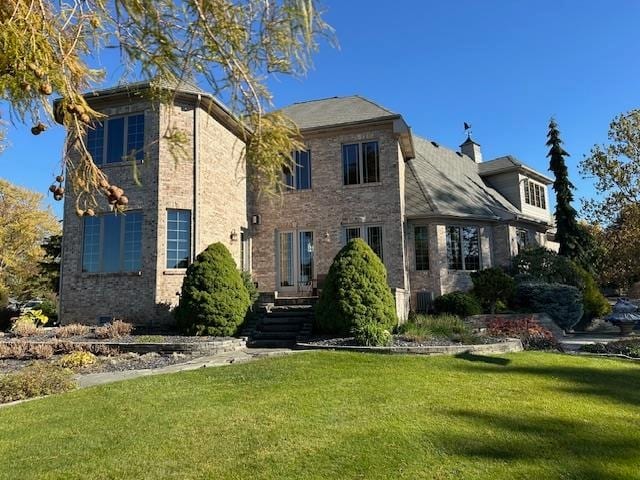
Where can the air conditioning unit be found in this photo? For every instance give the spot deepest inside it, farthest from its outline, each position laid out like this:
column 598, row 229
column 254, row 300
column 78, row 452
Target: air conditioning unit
column 424, row 300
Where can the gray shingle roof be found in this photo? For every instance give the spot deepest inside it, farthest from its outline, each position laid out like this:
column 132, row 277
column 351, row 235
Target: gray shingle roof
column 440, row 181
column 336, row 111
column 506, row 163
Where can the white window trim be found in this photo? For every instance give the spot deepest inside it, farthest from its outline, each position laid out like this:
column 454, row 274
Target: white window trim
column 539, row 189
column 166, row 246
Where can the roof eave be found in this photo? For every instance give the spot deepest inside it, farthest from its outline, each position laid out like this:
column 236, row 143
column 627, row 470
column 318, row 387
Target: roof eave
column 519, row 168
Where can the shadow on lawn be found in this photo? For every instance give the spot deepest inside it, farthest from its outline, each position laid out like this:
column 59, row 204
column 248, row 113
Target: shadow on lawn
column 571, row 449
column 621, row 385
column 472, row 357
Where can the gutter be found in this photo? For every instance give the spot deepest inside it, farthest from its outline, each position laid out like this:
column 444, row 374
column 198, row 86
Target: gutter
column 196, row 178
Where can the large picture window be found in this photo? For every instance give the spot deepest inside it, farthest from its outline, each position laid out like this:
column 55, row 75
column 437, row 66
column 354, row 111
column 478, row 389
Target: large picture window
column 112, row 243
column 372, row 234
column 116, row 138
column 300, row 178
column 178, row 238
column 421, row 244
column 463, row 248
column 360, row 163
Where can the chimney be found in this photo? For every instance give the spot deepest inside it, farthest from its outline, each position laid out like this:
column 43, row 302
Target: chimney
column 471, row 149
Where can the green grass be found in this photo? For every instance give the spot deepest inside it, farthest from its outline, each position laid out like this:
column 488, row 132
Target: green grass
column 341, row 415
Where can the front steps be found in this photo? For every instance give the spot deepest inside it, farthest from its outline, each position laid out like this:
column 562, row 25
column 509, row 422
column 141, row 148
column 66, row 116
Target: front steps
column 282, row 323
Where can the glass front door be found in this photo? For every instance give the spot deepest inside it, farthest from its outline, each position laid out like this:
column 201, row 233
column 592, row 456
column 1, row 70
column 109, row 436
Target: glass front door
column 295, row 261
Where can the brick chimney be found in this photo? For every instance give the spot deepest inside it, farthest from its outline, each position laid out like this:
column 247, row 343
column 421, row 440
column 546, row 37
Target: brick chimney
column 471, row 149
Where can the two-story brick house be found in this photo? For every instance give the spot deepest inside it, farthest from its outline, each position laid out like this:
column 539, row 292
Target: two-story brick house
column 431, row 214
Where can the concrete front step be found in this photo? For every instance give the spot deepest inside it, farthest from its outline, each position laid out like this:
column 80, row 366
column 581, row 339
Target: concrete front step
column 283, row 301
column 279, row 327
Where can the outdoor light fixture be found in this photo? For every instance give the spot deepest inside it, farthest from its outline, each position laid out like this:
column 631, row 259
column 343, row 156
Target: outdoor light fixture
column 234, row 235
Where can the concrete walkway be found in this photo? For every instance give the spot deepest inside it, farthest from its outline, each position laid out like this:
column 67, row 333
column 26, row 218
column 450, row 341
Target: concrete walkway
column 573, row 341
column 239, row 356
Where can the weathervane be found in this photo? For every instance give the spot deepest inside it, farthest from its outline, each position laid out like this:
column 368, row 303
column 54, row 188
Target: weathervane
column 467, row 129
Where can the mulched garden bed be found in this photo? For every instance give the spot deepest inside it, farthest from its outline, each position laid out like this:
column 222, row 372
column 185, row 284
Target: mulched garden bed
column 112, row 363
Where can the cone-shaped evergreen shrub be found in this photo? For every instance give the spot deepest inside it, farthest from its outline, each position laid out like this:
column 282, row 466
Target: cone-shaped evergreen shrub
column 214, row 299
column 355, row 292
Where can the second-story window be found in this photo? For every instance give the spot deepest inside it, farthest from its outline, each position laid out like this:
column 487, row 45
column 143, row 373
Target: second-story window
column 534, row 194
column 360, row 163
column 116, row 138
column 300, row 178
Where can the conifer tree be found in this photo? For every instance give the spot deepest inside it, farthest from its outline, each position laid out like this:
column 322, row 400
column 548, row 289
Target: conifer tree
column 568, row 233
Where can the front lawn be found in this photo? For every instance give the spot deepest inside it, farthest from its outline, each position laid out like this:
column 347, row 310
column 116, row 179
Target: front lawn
column 341, row 415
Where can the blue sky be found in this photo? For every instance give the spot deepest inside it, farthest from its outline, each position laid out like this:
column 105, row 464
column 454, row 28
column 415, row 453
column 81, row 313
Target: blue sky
column 505, row 67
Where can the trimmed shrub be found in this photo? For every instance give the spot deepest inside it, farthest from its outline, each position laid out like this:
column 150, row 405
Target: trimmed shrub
column 355, row 292
column 457, row 303
column 250, row 286
column 563, row 303
column 594, row 302
column 492, row 286
column 35, row 380
column 539, row 265
column 49, row 308
column 214, row 299
column 371, row 335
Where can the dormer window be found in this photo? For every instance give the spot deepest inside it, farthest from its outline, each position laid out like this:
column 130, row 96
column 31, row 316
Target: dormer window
column 534, row 194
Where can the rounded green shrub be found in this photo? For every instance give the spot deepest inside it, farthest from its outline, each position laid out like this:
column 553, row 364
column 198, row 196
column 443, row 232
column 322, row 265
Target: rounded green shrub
column 539, row 265
column 355, row 292
column 214, row 299
column 563, row 303
column 371, row 335
column 492, row 286
column 457, row 303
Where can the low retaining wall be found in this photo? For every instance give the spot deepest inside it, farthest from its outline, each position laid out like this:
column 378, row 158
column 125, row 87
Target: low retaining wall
column 208, row 348
column 510, row 345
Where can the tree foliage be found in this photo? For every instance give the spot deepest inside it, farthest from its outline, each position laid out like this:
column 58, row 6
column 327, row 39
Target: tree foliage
column 355, row 293
column 24, row 228
column 214, row 299
column 616, row 170
column 231, row 46
column 492, row 285
column 568, row 232
column 616, row 212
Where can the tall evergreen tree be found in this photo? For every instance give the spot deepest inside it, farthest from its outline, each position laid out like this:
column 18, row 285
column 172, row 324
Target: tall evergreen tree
column 569, row 233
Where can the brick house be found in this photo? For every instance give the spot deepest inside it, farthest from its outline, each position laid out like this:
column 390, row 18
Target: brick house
column 431, row 214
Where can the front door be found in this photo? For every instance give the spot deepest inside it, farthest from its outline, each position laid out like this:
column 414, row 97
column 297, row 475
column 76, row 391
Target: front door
column 295, row 262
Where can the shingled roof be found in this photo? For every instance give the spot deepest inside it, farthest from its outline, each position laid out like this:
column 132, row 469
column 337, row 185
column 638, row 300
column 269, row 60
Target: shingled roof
column 336, row 111
column 508, row 163
column 440, row 181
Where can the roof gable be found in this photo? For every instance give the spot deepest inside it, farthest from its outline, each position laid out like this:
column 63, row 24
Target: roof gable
column 336, row 111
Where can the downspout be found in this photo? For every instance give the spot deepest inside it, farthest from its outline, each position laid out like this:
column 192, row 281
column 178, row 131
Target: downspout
column 196, row 178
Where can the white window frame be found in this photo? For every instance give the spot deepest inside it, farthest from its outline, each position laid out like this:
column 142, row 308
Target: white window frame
column 535, row 194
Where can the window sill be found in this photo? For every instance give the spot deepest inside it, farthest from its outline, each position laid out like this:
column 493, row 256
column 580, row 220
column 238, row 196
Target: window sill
column 363, row 185
column 127, row 163
column 175, row 271
column 111, row 274
column 290, row 191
